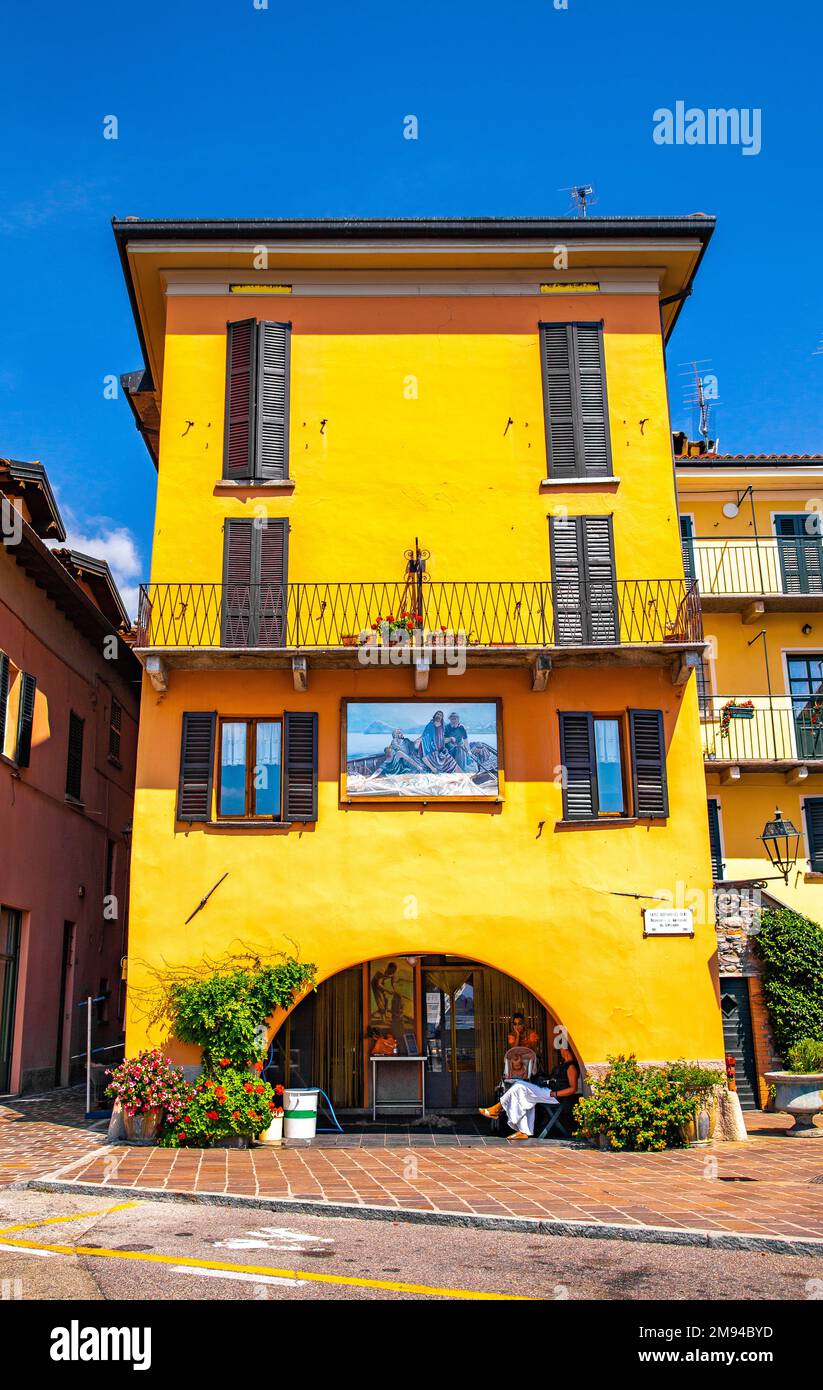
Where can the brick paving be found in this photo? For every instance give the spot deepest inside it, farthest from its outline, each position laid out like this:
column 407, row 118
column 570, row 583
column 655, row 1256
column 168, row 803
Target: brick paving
column 769, row 1186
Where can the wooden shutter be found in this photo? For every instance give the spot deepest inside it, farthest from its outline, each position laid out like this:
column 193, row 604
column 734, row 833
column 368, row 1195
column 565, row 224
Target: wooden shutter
column 567, row 581
column 594, row 457
column 813, row 807
column 238, row 578
column 74, row 759
column 801, row 556
column 648, row 747
column 4, row 696
column 25, row 719
column 115, row 729
column 714, row 840
column 241, row 374
column 272, row 413
column 557, row 353
column 687, row 547
column 271, row 547
column 300, row 766
column 578, row 759
column 600, row 589
column 575, row 403
column 196, row 767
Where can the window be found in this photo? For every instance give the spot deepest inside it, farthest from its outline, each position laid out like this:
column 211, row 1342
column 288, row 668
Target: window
column 251, row 768
column 255, row 593
column 806, row 690
column 813, row 811
column 574, row 400
column 115, row 730
column 4, row 697
column 687, row 546
column 800, row 553
column 592, row 752
column 74, row 761
column 703, row 677
column 26, row 690
column 583, row 580
column 715, row 840
column 257, row 401
column 267, row 767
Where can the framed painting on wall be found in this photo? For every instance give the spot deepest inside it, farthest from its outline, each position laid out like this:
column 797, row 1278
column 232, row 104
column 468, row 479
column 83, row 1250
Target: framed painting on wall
column 417, row 750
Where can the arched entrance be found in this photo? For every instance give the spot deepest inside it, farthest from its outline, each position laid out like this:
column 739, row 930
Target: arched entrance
column 453, row 1011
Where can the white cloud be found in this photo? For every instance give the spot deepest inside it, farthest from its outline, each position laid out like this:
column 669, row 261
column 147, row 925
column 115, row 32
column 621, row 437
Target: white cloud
column 116, row 545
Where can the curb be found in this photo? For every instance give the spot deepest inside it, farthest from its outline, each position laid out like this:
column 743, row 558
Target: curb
column 586, row 1230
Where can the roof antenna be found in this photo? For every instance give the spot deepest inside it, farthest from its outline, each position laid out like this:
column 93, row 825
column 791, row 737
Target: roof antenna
column 582, row 196
column 704, row 389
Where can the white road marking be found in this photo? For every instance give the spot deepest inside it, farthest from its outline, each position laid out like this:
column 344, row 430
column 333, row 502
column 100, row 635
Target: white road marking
column 275, row 1238
column 44, row 1254
column 229, row 1274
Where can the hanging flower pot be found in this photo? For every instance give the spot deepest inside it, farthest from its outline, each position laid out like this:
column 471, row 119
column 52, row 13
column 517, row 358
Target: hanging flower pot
column 734, row 710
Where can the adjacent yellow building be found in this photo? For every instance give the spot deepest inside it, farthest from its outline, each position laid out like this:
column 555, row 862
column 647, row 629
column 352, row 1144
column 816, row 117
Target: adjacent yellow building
column 751, row 538
column 457, row 430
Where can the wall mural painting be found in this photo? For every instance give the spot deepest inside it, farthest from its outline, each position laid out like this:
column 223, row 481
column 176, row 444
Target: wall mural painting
column 421, row 751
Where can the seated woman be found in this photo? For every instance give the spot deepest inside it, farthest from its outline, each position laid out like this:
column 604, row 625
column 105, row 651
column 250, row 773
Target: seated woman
column 519, row 1101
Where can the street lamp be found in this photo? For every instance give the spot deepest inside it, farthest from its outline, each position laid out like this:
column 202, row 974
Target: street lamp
column 777, row 837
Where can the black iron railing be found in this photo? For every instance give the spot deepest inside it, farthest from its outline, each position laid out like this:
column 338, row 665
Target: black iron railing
column 740, row 565
column 479, row 614
column 761, row 728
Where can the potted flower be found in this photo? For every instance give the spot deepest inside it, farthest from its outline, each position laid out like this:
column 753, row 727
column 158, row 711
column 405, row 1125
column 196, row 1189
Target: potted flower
column 799, row 1091
column 226, row 1110
column 734, row 709
column 274, row 1134
column 149, row 1088
column 396, row 628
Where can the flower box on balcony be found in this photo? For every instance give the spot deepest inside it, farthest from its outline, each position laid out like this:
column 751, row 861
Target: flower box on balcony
column 741, row 712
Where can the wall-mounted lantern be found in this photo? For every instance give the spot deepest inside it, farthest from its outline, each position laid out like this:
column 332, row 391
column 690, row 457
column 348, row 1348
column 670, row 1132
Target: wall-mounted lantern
column 782, row 841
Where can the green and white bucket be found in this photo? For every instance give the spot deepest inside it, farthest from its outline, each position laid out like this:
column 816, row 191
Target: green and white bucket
column 300, row 1113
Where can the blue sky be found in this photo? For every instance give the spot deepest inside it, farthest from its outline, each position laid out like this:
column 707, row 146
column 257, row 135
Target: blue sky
column 228, row 110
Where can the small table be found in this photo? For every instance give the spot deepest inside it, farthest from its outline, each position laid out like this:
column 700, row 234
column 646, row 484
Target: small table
column 399, row 1102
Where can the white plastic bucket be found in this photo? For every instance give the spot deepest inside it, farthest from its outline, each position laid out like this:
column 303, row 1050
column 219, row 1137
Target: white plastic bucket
column 300, row 1117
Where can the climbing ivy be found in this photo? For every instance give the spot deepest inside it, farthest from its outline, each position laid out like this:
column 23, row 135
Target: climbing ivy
column 791, row 949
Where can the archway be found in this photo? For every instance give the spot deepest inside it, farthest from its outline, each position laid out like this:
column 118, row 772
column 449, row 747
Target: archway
column 453, row 1011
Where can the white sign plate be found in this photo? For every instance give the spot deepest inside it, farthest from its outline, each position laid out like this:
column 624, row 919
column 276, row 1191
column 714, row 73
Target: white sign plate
column 668, row 921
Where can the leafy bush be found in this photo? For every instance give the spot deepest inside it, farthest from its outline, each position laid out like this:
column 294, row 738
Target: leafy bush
column 146, row 1082
column 236, row 1103
column 223, row 1012
column 791, row 949
column 806, row 1056
column 643, row 1108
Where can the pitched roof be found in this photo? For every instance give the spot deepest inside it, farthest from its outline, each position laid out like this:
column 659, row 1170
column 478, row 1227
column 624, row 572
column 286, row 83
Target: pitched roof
column 29, row 481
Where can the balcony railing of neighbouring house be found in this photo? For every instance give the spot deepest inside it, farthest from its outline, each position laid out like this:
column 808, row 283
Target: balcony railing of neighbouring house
column 318, row 616
column 729, row 567
column 761, row 728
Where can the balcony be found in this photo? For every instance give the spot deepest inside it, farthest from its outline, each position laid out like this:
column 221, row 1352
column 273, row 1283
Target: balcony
column 530, row 623
column 752, row 576
column 761, row 733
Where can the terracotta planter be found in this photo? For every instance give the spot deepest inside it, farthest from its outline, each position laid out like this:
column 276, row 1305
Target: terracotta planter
column 800, row 1095
column 143, row 1126
column 350, row 639
column 701, row 1127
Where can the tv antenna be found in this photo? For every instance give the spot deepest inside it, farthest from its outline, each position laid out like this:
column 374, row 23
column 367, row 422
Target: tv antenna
column 700, row 398
column 582, row 196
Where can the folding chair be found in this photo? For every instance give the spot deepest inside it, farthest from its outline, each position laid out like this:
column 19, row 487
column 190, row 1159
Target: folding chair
column 556, row 1117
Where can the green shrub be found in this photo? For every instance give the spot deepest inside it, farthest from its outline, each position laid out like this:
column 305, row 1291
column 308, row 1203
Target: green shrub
column 643, row 1108
column 790, row 947
column 223, row 1012
column 806, row 1056
column 235, row 1103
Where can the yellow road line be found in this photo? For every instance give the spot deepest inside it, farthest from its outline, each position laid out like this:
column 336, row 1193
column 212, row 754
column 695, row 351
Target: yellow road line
column 309, row 1276
column 76, row 1216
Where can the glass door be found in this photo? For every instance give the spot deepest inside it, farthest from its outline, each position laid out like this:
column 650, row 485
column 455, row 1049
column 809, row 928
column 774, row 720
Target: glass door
column 9, row 951
column 806, row 689
column 450, row 1037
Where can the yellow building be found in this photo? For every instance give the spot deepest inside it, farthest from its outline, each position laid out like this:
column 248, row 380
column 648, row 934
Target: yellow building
column 464, row 422
column 751, row 538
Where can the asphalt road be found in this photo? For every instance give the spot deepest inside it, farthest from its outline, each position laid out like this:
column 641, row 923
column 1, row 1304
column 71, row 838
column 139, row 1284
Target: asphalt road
column 171, row 1250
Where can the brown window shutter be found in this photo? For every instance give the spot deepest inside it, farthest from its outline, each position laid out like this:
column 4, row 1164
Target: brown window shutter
column 648, row 747
column 196, row 766
column 238, row 580
column 115, row 729
column 272, row 537
column 567, row 580
column 600, row 586
column 577, row 758
column 25, row 719
column 241, row 376
column 74, row 760
column 271, row 454
column 300, row 766
column 4, row 696
column 578, row 442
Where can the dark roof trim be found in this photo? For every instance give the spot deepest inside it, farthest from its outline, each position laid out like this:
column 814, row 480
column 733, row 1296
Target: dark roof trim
column 576, row 228
column 709, row 461
column 98, row 572
column 45, row 569
column 30, row 480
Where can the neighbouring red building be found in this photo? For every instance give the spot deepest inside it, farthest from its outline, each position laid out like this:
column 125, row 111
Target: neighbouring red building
column 69, row 703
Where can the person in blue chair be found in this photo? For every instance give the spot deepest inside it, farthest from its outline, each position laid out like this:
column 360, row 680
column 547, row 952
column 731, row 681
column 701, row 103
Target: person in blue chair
column 520, row 1101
